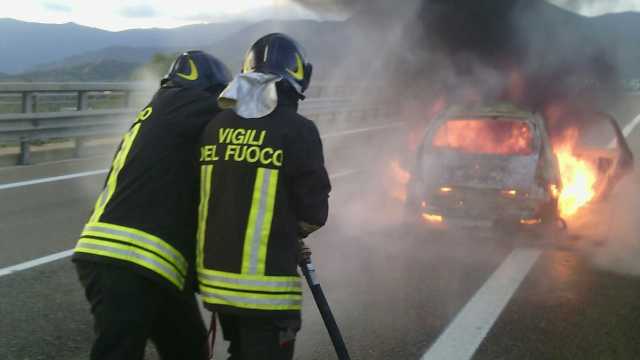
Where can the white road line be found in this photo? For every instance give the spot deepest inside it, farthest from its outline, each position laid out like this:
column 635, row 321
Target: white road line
column 463, row 336
column 36, row 262
column 360, row 131
column 52, row 179
column 61, row 255
column 627, row 130
column 632, row 125
column 342, row 174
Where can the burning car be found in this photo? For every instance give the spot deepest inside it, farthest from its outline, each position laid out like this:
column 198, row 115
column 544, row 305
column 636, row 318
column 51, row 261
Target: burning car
column 485, row 165
column 498, row 165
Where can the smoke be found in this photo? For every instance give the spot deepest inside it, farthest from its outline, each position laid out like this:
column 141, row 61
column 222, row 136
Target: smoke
column 607, row 234
column 423, row 52
column 526, row 51
column 351, row 6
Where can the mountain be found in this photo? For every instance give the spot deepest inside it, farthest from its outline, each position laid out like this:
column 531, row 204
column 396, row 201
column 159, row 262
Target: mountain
column 548, row 37
column 316, row 36
column 607, row 40
column 102, row 70
column 614, row 35
column 129, row 54
column 24, row 45
column 621, row 31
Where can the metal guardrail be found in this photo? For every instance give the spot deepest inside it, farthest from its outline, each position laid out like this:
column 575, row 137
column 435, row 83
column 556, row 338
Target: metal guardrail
column 79, row 125
column 28, row 127
column 29, row 92
column 10, row 87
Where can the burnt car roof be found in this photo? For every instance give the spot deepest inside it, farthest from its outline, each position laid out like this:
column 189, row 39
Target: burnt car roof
column 489, row 110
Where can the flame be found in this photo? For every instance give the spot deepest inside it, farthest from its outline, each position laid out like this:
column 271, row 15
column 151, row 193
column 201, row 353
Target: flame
column 579, row 177
column 499, row 137
column 432, row 218
column 400, row 178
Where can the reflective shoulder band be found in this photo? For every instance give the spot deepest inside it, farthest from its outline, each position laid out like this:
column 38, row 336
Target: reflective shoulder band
column 140, row 239
column 131, row 254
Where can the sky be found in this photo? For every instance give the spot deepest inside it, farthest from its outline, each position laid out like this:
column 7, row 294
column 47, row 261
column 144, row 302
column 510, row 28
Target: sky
column 127, row 14
column 598, row 7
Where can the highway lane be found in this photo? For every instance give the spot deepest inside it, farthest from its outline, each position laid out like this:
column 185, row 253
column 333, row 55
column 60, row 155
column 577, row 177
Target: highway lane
column 46, row 218
column 394, row 289
column 390, row 300
column 580, row 300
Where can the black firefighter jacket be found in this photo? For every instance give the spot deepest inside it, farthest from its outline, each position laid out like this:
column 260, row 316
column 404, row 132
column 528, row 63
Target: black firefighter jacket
column 146, row 216
column 260, row 180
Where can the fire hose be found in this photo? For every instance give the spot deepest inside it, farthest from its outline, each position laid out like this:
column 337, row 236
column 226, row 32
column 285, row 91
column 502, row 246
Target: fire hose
column 309, row 271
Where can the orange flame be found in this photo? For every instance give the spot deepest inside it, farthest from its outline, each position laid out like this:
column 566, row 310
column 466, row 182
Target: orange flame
column 400, row 179
column 499, row 137
column 579, row 177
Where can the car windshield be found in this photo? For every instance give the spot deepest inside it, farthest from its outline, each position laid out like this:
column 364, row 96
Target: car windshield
column 494, row 136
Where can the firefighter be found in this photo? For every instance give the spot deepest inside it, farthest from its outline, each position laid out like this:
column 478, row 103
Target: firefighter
column 263, row 187
column 136, row 253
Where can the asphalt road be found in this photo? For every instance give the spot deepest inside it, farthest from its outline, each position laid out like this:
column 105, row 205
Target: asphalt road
column 397, row 291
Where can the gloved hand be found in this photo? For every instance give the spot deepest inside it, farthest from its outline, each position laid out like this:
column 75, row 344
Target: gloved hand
column 304, row 229
column 304, row 252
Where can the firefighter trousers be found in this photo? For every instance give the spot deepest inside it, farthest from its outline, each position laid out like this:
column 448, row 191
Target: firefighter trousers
column 129, row 309
column 254, row 338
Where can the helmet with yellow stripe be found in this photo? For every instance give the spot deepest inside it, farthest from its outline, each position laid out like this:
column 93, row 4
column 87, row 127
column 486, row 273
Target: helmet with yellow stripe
column 281, row 55
column 199, row 70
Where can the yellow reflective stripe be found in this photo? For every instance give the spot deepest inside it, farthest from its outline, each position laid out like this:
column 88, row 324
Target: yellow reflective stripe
column 249, row 277
column 250, row 300
column 138, row 238
column 116, row 167
column 258, row 283
column 251, row 223
column 206, row 172
column 266, row 225
column 131, row 254
column 259, row 223
column 236, row 286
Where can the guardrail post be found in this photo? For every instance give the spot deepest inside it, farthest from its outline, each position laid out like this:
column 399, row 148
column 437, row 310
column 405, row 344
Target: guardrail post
column 83, row 100
column 25, row 152
column 28, row 106
column 83, row 104
column 28, row 102
column 127, row 99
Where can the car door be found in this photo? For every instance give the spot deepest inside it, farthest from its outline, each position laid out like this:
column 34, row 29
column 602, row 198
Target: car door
column 605, row 146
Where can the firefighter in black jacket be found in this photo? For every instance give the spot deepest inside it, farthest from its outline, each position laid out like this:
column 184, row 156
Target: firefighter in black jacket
column 136, row 253
column 263, row 187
